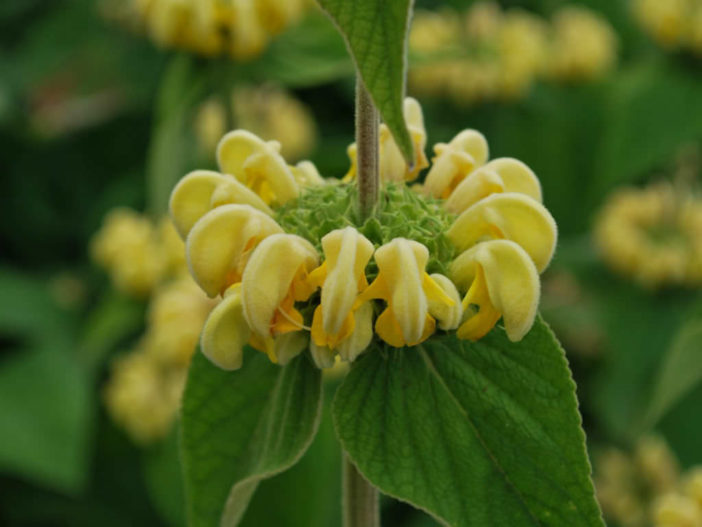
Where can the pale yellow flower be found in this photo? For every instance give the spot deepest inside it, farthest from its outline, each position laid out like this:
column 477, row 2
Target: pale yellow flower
column 502, row 281
column 257, row 164
column 221, row 242
column 454, row 161
column 404, row 285
column 137, row 253
column 341, row 276
column 240, row 28
column 584, row 45
column 508, row 216
column 392, row 164
column 275, row 278
column 499, row 175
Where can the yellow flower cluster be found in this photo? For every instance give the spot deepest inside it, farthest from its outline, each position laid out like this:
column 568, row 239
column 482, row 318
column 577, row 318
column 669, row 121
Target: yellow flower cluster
column 487, row 53
column 145, row 385
column 653, row 235
column 137, row 254
column 239, row 28
column 321, row 287
column 646, row 488
column 674, row 24
column 267, row 111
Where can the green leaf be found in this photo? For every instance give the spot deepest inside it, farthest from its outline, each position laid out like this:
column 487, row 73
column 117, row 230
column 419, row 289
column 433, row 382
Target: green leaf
column 376, row 35
column 243, row 426
column 681, row 371
column 46, row 411
column 309, row 494
column 164, row 481
column 168, row 158
column 108, row 324
column 484, row 433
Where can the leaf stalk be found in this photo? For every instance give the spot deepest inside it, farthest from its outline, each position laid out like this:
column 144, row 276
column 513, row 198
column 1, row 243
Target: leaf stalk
column 360, row 498
column 367, row 123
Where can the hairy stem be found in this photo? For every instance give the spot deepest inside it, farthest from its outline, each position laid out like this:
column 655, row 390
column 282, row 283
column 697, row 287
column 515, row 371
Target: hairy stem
column 366, row 149
column 360, row 498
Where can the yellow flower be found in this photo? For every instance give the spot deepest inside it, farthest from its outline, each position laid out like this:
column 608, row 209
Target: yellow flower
column 499, row 175
column 241, row 28
column 502, row 281
column 653, row 235
column 272, row 113
column 221, row 242
column 353, row 345
column 406, row 287
column 142, row 396
column 342, row 277
column 584, row 45
column 454, row 161
column 392, row 164
column 508, row 216
column 676, row 510
column 257, row 164
column 202, row 190
column 275, row 278
column 137, row 253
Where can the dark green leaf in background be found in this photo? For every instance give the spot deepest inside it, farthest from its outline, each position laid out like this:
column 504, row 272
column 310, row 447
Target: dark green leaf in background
column 680, row 372
column 376, row 35
column 243, row 426
column 46, row 411
column 484, row 433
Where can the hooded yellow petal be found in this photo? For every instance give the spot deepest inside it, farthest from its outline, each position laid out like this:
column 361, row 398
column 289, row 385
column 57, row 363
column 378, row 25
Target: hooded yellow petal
column 270, row 276
column 219, row 243
column 499, row 175
column 191, row 198
column 235, row 148
column 447, row 313
column 231, row 191
column 271, row 168
column 307, row 175
column 516, row 176
column 252, row 160
column 454, row 161
column 511, row 280
column 392, row 164
column 361, row 337
column 226, row 332
column 401, row 265
column 347, row 253
column 509, row 216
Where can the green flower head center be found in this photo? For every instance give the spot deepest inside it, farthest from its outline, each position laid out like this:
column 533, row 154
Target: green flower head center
column 401, row 213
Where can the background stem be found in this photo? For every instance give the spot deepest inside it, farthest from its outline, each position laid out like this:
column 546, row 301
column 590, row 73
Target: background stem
column 366, row 149
column 360, row 498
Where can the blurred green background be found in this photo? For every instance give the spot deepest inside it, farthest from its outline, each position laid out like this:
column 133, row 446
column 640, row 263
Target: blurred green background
column 93, row 116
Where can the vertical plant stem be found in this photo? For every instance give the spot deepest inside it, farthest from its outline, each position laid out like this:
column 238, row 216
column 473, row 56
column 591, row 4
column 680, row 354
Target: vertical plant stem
column 360, row 498
column 366, row 149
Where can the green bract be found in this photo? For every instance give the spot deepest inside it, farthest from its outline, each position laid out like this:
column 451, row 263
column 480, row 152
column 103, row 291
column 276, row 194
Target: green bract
column 401, row 213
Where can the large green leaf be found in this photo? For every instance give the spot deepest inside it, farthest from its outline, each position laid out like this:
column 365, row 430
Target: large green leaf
column 46, row 412
column 484, row 433
column 680, row 372
column 240, row 427
column 376, row 35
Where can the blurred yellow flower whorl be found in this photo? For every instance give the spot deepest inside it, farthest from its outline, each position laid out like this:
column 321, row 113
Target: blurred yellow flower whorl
column 653, row 235
column 674, row 24
column 239, row 28
column 488, row 53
